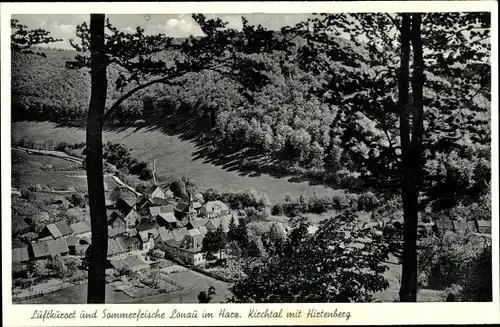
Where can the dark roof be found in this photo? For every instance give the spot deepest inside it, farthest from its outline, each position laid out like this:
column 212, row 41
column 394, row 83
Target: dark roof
column 159, row 201
column 80, row 228
column 20, row 255
column 182, row 206
column 147, row 224
column 128, row 241
column 151, row 189
column 64, row 228
column 144, row 236
column 123, row 207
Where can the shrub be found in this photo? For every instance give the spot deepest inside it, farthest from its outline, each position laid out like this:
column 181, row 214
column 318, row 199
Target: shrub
column 368, row 201
column 277, row 209
column 27, row 194
column 146, row 174
column 78, row 200
column 341, row 202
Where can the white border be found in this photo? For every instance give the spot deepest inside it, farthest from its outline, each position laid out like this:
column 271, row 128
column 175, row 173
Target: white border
column 372, row 313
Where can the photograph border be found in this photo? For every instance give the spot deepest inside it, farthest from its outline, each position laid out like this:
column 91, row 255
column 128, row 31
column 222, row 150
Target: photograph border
column 360, row 313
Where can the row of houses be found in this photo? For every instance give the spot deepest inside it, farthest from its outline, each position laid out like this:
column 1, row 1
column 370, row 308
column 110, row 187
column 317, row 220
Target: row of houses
column 56, row 239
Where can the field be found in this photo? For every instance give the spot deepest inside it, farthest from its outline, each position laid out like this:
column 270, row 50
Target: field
column 28, row 170
column 173, row 157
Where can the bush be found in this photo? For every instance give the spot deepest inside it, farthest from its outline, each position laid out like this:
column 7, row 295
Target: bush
column 368, row 201
column 78, row 200
column 341, row 202
column 277, row 209
column 27, row 194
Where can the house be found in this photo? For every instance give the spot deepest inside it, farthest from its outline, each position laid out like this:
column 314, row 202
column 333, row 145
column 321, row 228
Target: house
column 144, row 203
column 190, row 249
column 130, row 242
column 115, row 232
column 56, row 230
column 167, row 219
column 116, row 248
column 127, row 212
column 49, row 249
column 154, row 191
column 147, row 224
column 116, row 221
column 148, row 239
column 80, row 229
column 163, row 236
column 171, row 247
column 154, row 211
column 185, row 209
column 76, row 244
column 20, row 255
column 214, row 209
column 180, row 233
column 196, row 223
column 213, row 224
column 483, row 226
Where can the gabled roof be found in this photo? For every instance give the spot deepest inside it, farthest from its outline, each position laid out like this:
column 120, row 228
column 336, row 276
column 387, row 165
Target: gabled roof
column 196, row 204
column 80, row 228
column 151, row 189
column 54, row 231
column 128, row 240
column 215, row 206
column 203, row 230
column 173, row 242
column 464, row 225
column 123, row 207
column 20, row 255
column 192, row 243
column 194, row 231
column 156, row 210
column 49, row 248
column 483, row 223
column 147, row 224
column 179, row 233
column 164, row 234
column 145, row 235
column 197, row 223
column 159, row 201
column 168, row 217
column 116, row 246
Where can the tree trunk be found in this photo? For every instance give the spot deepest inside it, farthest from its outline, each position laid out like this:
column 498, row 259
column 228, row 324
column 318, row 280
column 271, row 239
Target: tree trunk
column 95, row 180
column 408, row 290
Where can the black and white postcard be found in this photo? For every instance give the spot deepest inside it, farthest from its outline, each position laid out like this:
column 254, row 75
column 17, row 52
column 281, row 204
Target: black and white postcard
column 250, row 163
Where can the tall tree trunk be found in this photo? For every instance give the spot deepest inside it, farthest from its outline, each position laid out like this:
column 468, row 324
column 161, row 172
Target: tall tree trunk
column 408, row 290
column 95, row 180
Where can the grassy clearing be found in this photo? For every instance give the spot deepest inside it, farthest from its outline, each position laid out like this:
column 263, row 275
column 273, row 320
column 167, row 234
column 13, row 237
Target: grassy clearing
column 28, row 170
column 174, row 157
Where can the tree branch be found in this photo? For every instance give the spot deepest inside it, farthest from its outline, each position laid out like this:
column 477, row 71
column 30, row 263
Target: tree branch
column 394, row 21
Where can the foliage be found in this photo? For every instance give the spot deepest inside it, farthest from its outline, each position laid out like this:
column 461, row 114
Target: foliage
column 206, row 297
column 337, row 271
column 22, row 38
column 78, row 200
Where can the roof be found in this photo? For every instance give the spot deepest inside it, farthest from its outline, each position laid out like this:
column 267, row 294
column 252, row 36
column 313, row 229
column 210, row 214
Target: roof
column 164, row 234
column 192, row 243
column 20, row 255
column 215, row 205
column 133, row 262
column 181, row 206
column 159, row 201
column 203, row 230
column 151, row 189
column 168, row 217
column 80, row 228
column 127, row 240
column 173, row 242
column 196, row 204
column 72, row 241
column 147, row 224
column 123, row 207
column 156, row 210
column 116, row 246
column 54, row 231
column 146, row 234
column 194, row 231
column 197, row 223
column 49, row 248
column 112, row 232
column 179, row 233
column 483, row 223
